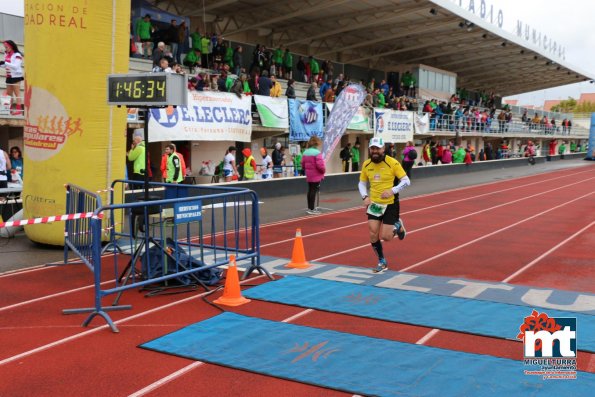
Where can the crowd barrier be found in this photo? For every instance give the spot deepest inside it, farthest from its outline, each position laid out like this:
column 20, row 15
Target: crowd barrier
column 170, row 241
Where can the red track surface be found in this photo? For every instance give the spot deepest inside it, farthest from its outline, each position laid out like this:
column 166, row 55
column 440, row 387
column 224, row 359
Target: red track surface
column 537, row 231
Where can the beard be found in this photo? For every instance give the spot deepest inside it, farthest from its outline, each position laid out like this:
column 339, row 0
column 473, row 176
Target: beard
column 377, row 157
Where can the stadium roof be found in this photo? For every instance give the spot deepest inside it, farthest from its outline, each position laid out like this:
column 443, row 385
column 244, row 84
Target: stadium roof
column 383, row 34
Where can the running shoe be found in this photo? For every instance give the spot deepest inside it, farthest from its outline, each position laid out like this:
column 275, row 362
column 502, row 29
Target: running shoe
column 382, row 266
column 313, row 212
column 399, row 229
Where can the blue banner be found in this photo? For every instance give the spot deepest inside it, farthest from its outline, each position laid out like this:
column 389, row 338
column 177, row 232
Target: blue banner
column 345, row 107
column 305, row 120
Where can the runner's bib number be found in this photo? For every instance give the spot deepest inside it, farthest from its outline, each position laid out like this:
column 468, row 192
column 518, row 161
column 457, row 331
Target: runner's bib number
column 376, row 209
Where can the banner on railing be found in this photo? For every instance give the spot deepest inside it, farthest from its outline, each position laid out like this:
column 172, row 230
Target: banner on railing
column 305, row 120
column 273, row 112
column 393, row 126
column 361, row 120
column 343, row 111
column 209, row 116
column 422, row 124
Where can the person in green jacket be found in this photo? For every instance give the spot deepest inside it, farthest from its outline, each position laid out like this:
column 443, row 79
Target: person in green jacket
column 278, row 61
column 228, row 58
column 192, row 59
column 287, row 64
column 314, row 69
column 381, row 99
column 297, row 163
column 195, row 37
column 144, row 29
column 355, row 157
column 175, row 174
column 562, row 149
column 459, row 156
column 572, row 147
column 204, row 50
column 136, row 154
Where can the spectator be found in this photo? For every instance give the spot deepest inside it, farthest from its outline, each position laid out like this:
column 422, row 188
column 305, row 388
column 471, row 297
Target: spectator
column 355, row 156
column 158, row 53
column 174, row 166
column 324, row 87
column 409, row 156
column 13, row 62
column 249, row 165
column 16, row 160
column 237, row 60
column 264, row 84
column 136, row 154
column 238, row 86
column 276, row 89
column 182, row 40
column 195, row 38
column 277, row 64
column 219, row 50
column 313, row 164
column 329, row 96
column 288, row 64
column 301, row 70
column 290, row 91
column 447, row 155
column 230, row 171
column 459, row 156
column 193, row 59
column 277, row 161
column 144, row 31
column 267, row 164
column 345, row 156
column 5, row 166
column 314, row 70
column 530, row 149
column 163, row 66
column 205, row 51
column 311, row 94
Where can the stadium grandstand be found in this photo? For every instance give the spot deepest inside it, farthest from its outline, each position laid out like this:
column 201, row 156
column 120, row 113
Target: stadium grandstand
column 449, row 63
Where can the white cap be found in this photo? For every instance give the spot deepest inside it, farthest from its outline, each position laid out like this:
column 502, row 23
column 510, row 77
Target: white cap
column 138, row 132
column 377, row 142
column 278, row 145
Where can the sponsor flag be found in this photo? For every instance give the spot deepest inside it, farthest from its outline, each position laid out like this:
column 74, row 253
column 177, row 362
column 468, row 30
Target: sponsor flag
column 305, row 120
column 345, row 107
column 273, row 112
column 393, row 126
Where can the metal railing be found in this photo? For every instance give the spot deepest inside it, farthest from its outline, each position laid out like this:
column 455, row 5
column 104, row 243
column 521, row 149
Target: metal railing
column 187, row 229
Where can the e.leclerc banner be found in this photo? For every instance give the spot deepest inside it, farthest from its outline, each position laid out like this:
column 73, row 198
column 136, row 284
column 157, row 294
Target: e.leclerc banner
column 209, row 116
column 305, row 120
column 393, row 126
column 345, row 108
column 273, row 112
column 71, row 135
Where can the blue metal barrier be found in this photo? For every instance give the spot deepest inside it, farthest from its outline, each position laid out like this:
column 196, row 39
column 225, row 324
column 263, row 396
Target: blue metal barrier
column 208, row 223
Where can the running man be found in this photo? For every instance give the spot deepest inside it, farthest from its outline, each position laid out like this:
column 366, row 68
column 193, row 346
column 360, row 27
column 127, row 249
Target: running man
column 380, row 173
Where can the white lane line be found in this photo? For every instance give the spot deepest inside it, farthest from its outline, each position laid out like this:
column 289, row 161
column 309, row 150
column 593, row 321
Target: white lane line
column 335, row 229
column 453, row 219
column 157, row 384
column 418, row 210
column 106, row 326
column 434, row 331
column 45, row 297
column 540, row 257
column 49, row 265
column 427, row 336
column 491, row 234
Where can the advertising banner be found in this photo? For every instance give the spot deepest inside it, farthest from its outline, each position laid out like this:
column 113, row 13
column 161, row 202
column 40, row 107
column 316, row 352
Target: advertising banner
column 273, row 112
column 344, row 109
column 305, row 120
column 393, row 126
column 209, row 116
column 71, row 135
column 361, row 120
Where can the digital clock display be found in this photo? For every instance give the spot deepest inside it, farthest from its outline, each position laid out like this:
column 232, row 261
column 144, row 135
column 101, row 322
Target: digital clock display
column 137, row 89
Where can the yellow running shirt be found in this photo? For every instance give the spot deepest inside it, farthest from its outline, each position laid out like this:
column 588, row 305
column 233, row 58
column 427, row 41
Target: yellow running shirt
column 381, row 177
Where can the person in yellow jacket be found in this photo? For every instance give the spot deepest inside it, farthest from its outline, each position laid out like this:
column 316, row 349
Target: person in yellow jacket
column 175, row 172
column 249, row 164
column 136, row 154
column 276, row 90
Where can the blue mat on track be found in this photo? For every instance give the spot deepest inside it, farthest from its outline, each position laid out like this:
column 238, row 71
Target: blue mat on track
column 501, row 320
column 356, row 364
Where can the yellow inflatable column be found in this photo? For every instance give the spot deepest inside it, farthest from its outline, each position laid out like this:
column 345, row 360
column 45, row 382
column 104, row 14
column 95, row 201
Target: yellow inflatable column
column 70, row 134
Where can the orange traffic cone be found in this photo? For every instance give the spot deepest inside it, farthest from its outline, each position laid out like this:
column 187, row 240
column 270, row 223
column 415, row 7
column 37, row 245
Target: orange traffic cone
column 298, row 257
column 232, row 295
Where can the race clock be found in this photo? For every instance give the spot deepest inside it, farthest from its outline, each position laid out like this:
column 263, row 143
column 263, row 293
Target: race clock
column 147, row 89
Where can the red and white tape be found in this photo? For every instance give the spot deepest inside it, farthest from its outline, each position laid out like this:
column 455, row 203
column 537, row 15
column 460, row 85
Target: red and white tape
column 49, row 219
